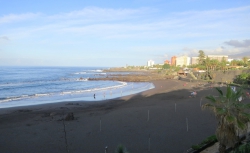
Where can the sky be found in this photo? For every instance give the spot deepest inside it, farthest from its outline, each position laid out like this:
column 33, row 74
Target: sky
column 115, row 33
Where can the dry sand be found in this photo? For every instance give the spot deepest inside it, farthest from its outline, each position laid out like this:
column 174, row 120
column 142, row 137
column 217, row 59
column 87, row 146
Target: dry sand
column 129, row 120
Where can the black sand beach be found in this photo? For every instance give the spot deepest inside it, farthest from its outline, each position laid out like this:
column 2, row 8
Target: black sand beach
column 144, row 122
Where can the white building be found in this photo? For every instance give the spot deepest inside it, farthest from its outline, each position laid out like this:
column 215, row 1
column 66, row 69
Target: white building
column 150, row 63
column 195, row 60
column 188, row 61
column 218, row 57
column 183, row 60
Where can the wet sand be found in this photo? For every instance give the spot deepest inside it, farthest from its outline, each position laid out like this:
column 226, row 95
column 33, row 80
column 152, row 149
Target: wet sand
column 144, row 122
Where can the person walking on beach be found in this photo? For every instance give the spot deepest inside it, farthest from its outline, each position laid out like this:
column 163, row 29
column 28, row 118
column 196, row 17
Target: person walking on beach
column 247, row 93
column 193, row 94
column 94, row 96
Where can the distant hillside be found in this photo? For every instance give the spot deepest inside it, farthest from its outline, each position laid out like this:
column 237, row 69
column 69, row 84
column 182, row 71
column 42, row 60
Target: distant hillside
column 240, row 55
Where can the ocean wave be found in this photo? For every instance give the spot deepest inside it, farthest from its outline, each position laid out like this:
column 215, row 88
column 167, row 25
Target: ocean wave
column 11, row 99
column 95, row 70
column 95, row 89
column 98, row 71
column 39, row 95
column 39, row 83
column 28, row 83
column 80, row 73
column 22, row 97
column 15, row 84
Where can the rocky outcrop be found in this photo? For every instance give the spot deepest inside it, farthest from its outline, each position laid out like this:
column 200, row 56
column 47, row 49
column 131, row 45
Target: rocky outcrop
column 136, row 78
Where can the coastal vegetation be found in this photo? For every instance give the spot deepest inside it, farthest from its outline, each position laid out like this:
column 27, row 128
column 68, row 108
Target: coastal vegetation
column 208, row 141
column 204, row 62
column 232, row 115
column 211, row 66
column 243, row 78
column 244, row 148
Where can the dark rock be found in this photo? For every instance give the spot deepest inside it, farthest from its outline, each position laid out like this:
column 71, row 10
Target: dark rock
column 24, row 110
column 69, row 117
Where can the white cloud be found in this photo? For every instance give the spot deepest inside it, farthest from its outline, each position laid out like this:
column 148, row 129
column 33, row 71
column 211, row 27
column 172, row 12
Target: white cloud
column 151, row 49
column 143, row 30
column 183, row 25
column 144, row 23
column 216, row 20
column 102, row 14
column 213, row 13
column 17, row 17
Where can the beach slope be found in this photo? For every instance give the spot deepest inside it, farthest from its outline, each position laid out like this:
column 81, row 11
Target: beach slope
column 163, row 119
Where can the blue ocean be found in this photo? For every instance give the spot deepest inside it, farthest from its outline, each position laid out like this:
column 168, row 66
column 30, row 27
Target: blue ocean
column 23, row 86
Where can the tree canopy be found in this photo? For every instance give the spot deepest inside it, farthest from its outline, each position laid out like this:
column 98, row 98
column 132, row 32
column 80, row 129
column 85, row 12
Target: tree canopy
column 166, row 66
column 201, row 57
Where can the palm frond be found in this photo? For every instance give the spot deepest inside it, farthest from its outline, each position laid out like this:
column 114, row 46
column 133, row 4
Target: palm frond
column 211, row 98
column 207, row 105
column 220, row 110
column 241, row 125
column 230, row 118
column 245, row 115
column 238, row 93
column 239, row 106
column 219, row 90
column 229, row 92
column 247, row 106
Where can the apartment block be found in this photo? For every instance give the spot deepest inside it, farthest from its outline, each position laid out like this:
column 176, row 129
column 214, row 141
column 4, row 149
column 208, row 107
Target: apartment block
column 150, row 63
column 183, row 60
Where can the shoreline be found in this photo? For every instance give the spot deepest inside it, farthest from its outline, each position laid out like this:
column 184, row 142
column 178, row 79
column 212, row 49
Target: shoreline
column 107, row 93
column 89, row 103
column 124, row 120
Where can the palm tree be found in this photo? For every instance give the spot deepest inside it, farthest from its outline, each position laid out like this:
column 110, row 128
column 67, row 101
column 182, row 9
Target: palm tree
column 209, row 66
column 232, row 116
column 223, row 64
column 233, row 62
column 214, row 64
column 201, row 57
column 245, row 60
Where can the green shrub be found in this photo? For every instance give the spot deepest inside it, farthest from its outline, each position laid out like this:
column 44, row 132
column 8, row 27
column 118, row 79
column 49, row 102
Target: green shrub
column 245, row 148
column 243, row 78
column 204, row 142
column 209, row 139
column 166, row 66
column 120, row 149
column 196, row 147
